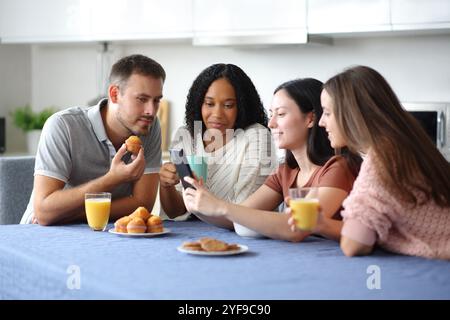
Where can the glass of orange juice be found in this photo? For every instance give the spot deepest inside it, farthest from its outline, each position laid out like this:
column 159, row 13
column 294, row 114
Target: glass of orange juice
column 304, row 204
column 98, row 206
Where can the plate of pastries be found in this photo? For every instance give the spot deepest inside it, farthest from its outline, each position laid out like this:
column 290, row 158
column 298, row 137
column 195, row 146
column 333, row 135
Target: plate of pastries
column 211, row 247
column 140, row 223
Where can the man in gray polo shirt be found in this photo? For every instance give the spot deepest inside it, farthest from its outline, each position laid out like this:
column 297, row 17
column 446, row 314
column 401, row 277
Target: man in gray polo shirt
column 82, row 150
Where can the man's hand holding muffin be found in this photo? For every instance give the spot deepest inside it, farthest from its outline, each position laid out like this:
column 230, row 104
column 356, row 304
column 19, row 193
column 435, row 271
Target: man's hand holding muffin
column 121, row 172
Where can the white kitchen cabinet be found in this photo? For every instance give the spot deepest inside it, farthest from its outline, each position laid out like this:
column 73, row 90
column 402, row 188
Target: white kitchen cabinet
column 44, row 20
column 347, row 16
column 420, row 14
column 24, row 21
column 141, row 19
column 223, row 22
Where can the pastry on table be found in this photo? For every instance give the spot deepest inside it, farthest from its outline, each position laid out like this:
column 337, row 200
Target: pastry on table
column 154, row 224
column 142, row 213
column 211, row 244
column 232, row 247
column 136, row 225
column 192, row 245
column 121, row 224
column 133, row 144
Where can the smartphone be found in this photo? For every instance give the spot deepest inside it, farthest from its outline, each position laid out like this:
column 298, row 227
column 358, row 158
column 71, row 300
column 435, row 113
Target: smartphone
column 181, row 164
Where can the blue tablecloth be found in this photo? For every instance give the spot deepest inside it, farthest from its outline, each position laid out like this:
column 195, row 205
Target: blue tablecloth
column 38, row 262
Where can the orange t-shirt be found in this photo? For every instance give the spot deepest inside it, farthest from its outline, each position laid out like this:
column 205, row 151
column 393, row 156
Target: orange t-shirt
column 333, row 174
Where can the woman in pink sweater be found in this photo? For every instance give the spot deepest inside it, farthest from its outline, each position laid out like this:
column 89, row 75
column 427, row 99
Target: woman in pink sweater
column 401, row 198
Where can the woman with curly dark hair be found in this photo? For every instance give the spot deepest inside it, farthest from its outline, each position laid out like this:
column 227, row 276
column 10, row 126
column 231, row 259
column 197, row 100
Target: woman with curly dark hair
column 226, row 122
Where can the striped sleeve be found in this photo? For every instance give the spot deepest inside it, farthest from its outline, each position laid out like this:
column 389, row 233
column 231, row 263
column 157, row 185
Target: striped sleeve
column 258, row 161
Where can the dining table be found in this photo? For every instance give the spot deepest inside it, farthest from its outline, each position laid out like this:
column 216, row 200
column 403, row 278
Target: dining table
column 75, row 262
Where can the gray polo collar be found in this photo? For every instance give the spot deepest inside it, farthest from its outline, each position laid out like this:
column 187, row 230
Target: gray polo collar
column 95, row 118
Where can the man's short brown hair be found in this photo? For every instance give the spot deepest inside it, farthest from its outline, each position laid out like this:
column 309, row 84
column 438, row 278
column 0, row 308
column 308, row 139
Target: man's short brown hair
column 135, row 64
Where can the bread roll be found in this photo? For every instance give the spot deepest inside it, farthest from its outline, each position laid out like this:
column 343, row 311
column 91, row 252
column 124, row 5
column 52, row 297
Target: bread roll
column 133, row 144
column 142, row 213
column 121, row 224
column 154, row 224
column 136, row 225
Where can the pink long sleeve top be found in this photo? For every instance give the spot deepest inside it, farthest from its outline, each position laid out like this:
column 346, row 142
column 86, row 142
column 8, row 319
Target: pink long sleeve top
column 373, row 214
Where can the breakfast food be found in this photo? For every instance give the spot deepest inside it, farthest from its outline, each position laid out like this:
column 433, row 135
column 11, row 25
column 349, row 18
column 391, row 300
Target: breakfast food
column 136, row 225
column 121, row 224
column 142, row 213
column 194, row 245
column 209, row 245
column 232, row 247
column 133, row 144
column 154, row 224
column 140, row 221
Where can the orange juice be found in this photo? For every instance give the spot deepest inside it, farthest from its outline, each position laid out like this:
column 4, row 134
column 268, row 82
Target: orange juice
column 97, row 212
column 305, row 213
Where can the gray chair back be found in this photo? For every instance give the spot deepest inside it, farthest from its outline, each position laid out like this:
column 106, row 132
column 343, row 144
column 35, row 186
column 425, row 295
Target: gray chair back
column 16, row 184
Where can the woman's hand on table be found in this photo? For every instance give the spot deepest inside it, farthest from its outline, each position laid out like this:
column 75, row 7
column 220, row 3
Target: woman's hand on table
column 200, row 200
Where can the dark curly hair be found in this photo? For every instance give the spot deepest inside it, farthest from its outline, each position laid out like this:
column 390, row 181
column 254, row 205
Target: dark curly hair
column 249, row 106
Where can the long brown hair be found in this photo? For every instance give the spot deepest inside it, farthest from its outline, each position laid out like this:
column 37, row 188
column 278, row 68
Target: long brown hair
column 370, row 115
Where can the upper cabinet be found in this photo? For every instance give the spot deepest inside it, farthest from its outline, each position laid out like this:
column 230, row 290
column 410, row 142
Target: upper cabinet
column 99, row 20
column 420, row 14
column 227, row 22
column 343, row 16
column 353, row 16
column 213, row 22
column 44, row 20
column 141, row 19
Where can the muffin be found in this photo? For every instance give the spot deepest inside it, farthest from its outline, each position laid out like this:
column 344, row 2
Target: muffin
column 133, row 144
column 121, row 224
column 136, row 225
column 154, row 224
column 142, row 213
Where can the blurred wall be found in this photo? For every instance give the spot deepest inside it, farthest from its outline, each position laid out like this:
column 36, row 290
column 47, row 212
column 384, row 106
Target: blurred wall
column 15, row 90
column 418, row 68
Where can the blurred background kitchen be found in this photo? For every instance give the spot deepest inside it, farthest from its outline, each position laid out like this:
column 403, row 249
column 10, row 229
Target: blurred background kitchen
column 58, row 53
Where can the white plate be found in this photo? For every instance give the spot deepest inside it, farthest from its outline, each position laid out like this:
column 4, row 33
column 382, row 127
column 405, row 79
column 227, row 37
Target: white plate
column 242, row 249
column 139, row 235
